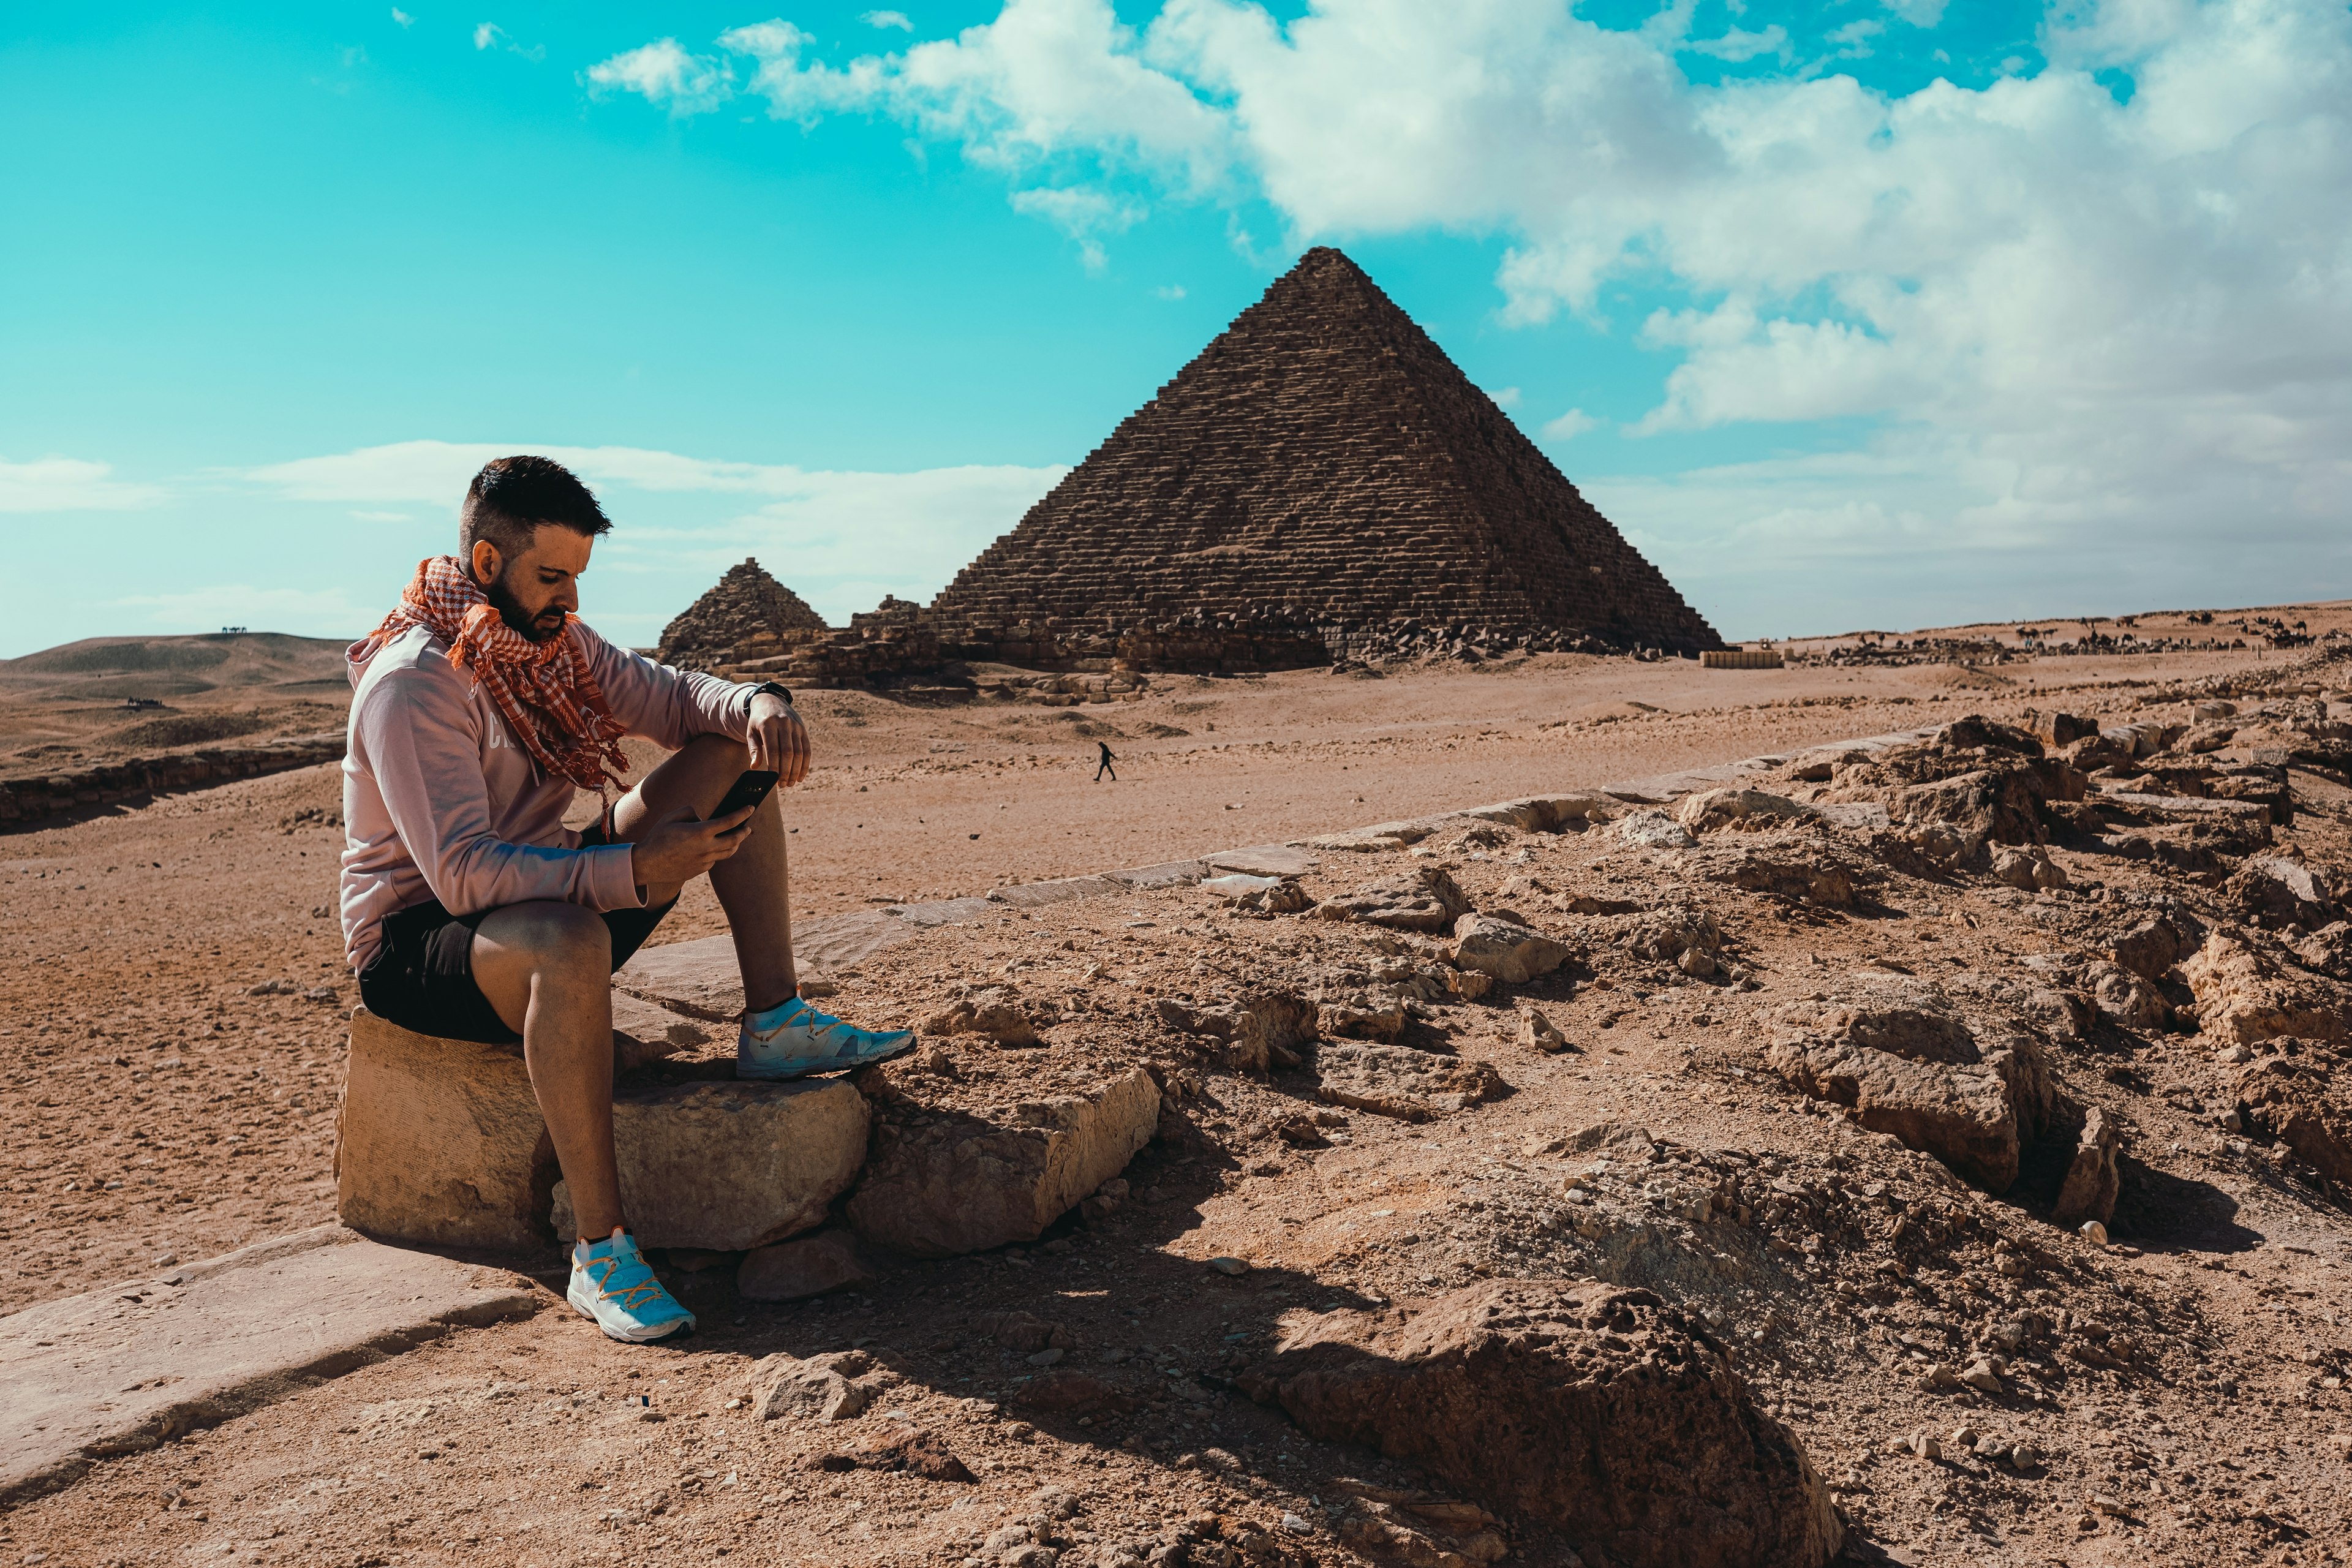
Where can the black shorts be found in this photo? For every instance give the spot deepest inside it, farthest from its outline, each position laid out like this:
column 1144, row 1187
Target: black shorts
column 421, row 977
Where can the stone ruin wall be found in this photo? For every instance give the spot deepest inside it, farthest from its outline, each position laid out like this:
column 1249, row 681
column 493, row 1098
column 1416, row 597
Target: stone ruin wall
column 27, row 800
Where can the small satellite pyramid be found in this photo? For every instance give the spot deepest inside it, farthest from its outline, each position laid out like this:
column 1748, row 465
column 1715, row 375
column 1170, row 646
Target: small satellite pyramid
column 1321, row 462
column 746, row 611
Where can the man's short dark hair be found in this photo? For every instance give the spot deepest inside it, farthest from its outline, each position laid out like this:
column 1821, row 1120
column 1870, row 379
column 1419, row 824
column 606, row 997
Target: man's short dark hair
column 512, row 496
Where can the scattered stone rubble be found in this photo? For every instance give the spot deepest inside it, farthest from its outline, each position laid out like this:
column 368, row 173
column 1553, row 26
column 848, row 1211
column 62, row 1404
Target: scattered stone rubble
column 1592, row 1348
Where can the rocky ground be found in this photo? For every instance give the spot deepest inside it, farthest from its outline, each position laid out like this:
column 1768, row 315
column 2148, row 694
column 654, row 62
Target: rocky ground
column 1776, row 1098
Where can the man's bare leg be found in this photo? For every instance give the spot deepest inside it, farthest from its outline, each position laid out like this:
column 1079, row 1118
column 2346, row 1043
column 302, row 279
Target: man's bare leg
column 752, row 884
column 547, row 968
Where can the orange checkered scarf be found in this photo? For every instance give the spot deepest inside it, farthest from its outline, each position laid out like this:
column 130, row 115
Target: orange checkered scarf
column 546, row 690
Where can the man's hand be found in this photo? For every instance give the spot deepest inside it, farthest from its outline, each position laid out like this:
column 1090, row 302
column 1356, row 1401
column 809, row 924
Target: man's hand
column 678, row 848
column 780, row 742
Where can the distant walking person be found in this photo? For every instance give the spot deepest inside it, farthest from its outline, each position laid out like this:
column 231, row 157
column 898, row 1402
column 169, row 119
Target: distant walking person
column 1105, row 766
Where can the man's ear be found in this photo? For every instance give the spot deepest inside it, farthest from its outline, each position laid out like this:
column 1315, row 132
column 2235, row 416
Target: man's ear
column 486, row 562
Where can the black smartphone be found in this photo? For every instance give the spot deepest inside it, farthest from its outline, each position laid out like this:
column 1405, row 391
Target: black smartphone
column 750, row 789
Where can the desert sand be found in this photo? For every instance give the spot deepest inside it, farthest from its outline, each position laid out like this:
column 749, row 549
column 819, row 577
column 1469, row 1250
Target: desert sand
column 174, row 997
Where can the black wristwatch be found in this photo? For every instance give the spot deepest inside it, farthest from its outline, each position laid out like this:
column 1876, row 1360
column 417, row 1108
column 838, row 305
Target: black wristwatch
column 776, row 688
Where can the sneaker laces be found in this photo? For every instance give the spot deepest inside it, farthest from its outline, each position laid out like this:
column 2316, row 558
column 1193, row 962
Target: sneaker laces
column 628, row 1296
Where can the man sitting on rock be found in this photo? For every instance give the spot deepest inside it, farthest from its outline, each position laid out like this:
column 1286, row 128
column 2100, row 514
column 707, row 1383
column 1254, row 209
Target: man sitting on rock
column 469, row 909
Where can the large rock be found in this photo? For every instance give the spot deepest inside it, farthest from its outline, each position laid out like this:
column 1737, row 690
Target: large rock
column 439, row 1142
column 2133, row 1003
column 836, row 1386
column 2271, row 890
column 2246, row 996
column 805, row 1266
column 2092, row 1179
column 1898, row 1054
column 1260, row 1028
column 944, row 1179
column 2151, row 947
column 1793, row 869
column 1392, row 1080
column 1596, row 1410
column 1425, row 898
column 1709, row 810
column 2299, row 1102
column 728, row 1166
column 1504, row 949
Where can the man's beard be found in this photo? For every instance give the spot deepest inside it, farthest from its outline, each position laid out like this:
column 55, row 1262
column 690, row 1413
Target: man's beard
column 510, row 611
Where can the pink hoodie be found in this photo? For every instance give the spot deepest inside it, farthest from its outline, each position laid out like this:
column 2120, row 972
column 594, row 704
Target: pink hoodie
column 441, row 801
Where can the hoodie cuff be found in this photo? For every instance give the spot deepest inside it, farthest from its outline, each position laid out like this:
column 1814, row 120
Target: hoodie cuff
column 612, row 877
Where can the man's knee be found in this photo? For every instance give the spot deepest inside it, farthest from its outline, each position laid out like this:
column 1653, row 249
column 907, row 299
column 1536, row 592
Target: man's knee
column 556, row 935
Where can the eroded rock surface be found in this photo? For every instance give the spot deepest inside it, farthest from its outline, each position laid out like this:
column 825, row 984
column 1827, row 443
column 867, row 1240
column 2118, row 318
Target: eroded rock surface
column 728, row 1166
column 2301, row 1101
column 439, row 1142
column 2246, row 993
column 1899, row 1053
column 1598, row 1410
column 946, row 1176
column 2092, row 1179
column 1425, row 898
column 1392, row 1080
column 1506, row 950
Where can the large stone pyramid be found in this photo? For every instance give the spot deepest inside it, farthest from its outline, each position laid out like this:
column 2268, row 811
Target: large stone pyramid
column 1321, row 463
column 747, row 615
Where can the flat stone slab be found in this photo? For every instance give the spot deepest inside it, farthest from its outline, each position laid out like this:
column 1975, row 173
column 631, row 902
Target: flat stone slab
column 1168, row 874
column 119, row 1370
column 2189, row 807
column 1060, row 891
column 1262, row 860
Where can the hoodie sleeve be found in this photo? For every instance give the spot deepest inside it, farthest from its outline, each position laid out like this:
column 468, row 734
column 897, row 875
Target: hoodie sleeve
column 669, row 707
column 415, row 731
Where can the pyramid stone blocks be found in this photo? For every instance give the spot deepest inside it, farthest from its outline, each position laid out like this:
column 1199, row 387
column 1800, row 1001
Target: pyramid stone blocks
column 747, row 615
column 1320, row 468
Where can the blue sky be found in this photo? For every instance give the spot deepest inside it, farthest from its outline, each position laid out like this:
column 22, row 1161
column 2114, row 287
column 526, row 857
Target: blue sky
column 1864, row 314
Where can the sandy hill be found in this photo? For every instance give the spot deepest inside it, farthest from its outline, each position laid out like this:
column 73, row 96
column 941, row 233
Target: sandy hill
column 72, row 705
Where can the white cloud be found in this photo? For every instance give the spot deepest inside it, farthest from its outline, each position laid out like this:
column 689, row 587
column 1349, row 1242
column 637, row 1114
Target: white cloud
column 70, row 484
column 383, row 517
column 2084, row 318
column 1735, row 45
column 1507, row 397
column 666, row 74
column 1569, row 426
column 1170, row 291
column 402, row 18
column 897, row 19
column 1084, row 214
column 2091, row 316
column 1918, row 13
column 490, row 34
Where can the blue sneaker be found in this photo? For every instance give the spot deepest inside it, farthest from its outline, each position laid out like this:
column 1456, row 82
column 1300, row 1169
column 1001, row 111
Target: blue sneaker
column 794, row 1040
column 612, row 1283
